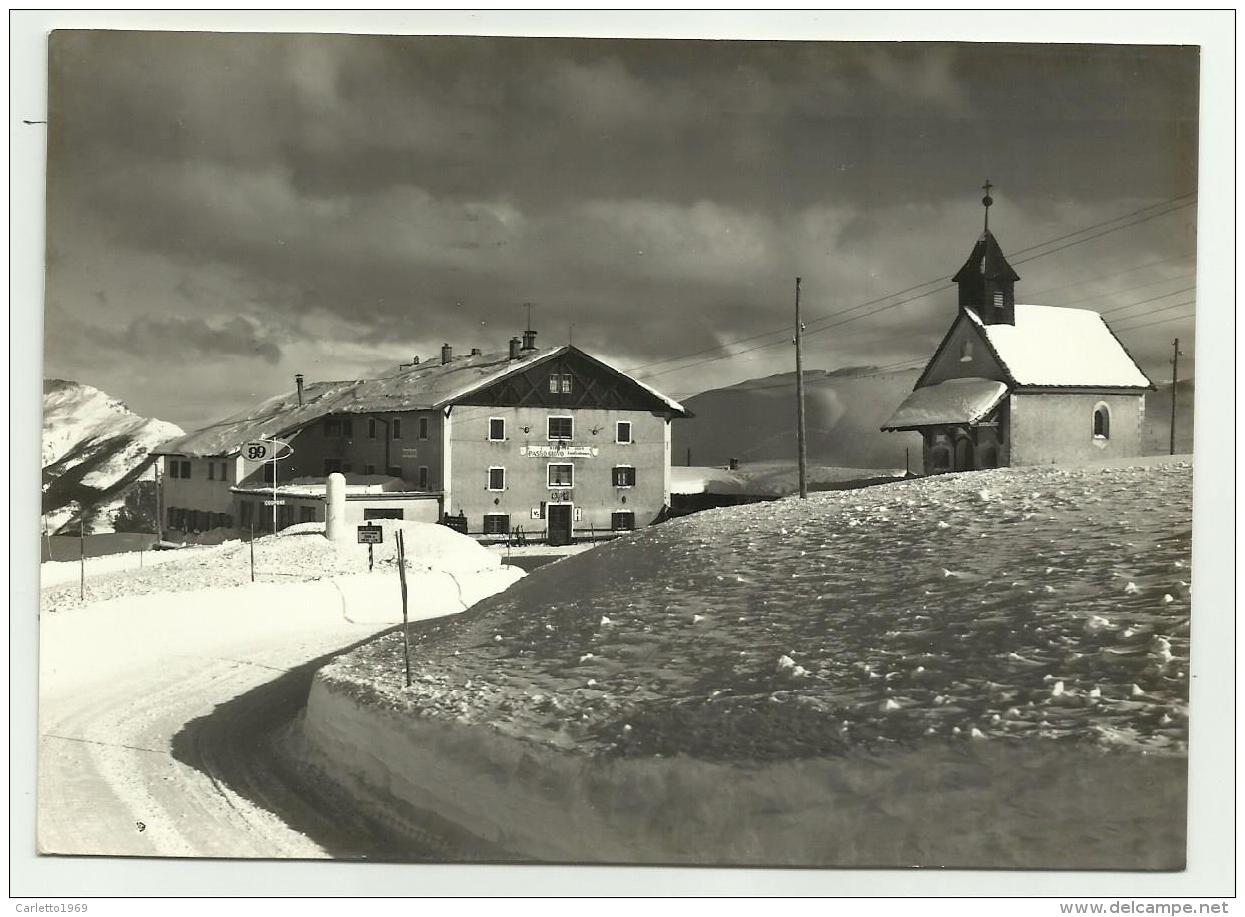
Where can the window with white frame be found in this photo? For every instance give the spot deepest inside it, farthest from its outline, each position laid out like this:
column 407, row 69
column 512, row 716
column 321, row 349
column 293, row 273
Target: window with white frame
column 496, row 478
column 496, row 524
column 559, row 383
column 623, row 434
column 561, row 428
column 624, row 476
column 496, row 429
column 561, row 474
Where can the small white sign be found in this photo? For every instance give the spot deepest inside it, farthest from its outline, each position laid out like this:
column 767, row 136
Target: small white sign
column 555, row 451
column 274, row 503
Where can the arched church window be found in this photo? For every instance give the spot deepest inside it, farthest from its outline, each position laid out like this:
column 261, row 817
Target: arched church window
column 966, row 351
column 1102, row 422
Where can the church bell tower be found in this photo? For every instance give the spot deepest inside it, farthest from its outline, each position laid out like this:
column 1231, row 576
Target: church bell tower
column 986, row 280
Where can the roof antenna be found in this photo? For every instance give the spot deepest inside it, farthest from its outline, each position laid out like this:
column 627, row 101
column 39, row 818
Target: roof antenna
column 529, row 315
column 987, row 201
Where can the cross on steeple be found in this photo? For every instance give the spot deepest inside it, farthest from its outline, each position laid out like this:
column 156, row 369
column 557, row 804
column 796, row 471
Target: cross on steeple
column 987, row 201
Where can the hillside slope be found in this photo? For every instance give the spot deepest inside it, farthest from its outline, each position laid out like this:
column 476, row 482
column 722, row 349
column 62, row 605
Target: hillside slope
column 93, row 449
column 754, row 421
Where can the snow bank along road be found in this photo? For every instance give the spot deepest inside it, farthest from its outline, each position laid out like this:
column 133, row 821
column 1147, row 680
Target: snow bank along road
column 157, row 711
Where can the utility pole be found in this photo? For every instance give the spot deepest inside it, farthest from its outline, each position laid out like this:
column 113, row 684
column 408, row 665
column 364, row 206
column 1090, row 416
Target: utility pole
column 1175, row 365
column 799, row 395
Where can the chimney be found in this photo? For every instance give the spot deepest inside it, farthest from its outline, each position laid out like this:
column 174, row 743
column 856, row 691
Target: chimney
column 529, row 339
column 447, row 353
column 414, row 361
column 298, row 381
column 515, row 344
column 476, row 351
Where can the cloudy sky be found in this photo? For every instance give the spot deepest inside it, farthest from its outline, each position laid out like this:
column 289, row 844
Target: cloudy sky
column 227, row 210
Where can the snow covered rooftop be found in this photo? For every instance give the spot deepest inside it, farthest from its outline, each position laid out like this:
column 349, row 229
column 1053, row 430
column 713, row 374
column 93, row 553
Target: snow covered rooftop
column 424, row 386
column 1055, row 346
column 954, row 401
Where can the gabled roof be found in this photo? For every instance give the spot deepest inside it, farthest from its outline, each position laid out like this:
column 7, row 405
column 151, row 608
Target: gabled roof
column 425, row 386
column 955, row 401
column 986, row 260
column 1056, row 347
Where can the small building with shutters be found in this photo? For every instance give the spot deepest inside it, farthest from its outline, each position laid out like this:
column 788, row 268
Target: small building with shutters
column 1014, row 384
column 554, row 444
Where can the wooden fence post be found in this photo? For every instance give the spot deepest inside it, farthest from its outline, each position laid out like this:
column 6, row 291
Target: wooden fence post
column 406, row 638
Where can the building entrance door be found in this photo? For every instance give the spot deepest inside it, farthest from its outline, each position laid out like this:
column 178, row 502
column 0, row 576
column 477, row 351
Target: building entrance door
column 964, row 454
column 559, row 518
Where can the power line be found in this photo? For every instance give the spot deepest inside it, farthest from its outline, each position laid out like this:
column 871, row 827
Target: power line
column 1161, row 321
column 1142, row 302
column 1187, row 302
column 1128, row 270
column 1105, row 232
column 785, row 333
column 1119, row 290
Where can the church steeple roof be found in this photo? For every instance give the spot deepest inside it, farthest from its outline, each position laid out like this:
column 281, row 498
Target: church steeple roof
column 986, row 280
column 986, row 262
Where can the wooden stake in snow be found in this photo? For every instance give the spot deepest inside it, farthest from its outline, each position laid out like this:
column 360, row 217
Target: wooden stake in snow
column 799, row 396
column 82, row 559
column 252, row 552
column 406, row 638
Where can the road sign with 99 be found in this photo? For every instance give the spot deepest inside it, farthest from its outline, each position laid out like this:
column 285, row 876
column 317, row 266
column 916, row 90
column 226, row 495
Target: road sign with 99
column 260, row 451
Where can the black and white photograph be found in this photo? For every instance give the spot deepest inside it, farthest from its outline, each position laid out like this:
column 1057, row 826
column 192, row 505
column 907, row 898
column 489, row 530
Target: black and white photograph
column 508, row 449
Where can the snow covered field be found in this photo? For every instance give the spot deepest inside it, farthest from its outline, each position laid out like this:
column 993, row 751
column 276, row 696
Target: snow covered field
column 125, row 677
column 297, row 553
column 1004, row 648
column 769, row 479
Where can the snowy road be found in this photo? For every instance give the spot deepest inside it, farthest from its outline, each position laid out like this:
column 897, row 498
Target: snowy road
column 159, row 713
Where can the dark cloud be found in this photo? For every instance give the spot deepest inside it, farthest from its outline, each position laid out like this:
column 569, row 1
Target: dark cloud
column 319, row 203
column 179, row 338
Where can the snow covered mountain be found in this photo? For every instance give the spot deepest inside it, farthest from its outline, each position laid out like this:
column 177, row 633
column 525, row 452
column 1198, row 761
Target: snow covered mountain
column 94, row 449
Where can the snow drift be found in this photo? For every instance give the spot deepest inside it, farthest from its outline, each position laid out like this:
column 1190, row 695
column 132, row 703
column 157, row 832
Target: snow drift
column 847, row 680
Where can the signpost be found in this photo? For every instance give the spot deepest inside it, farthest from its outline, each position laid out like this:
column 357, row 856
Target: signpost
column 406, row 637
column 265, row 452
column 371, row 535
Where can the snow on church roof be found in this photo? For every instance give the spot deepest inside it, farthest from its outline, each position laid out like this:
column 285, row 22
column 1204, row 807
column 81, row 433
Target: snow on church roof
column 1056, row 346
column 965, row 400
